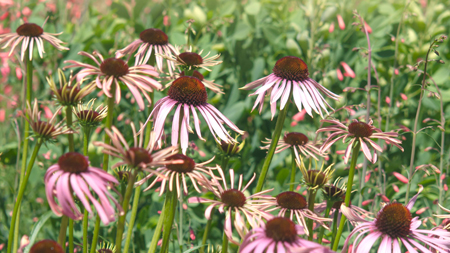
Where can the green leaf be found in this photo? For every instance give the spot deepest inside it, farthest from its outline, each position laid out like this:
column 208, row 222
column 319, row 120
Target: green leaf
column 253, row 8
column 242, row 31
column 282, row 175
column 37, row 228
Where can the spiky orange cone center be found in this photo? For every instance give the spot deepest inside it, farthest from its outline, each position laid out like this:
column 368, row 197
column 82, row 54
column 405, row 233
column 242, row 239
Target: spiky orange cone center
column 154, row 36
column 394, row 220
column 291, row 200
column 30, row 30
column 73, row 162
column 291, row 68
column 114, row 67
column 281, row 229
column 188, row 90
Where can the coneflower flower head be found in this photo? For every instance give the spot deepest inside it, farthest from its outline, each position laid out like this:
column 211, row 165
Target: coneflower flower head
column 188, row 94
column 45, row 130
column 106, row 248
column 46, row 246
column 88, row 116
column 30, row 34
column 66, row 94
column 334, row 194
column 208, row 84
column 193, row 61
column 298, row 142
column 315, row 179
column 231, row 149
column 290, row 76
column 109, row 72
column 151, row 41
column 72, row 174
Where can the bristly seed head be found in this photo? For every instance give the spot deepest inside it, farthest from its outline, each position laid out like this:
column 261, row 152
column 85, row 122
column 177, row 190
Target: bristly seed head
column 394, row 220
column 73, row 162
column 360, row 129
column 297, row 139
column 188, row 90
column 46, row 246
column 154, row 36
column 114, row 67
column 190, row 58
column 281, row 229
column 187, row 166
column 30, row 30
column 70, row 95
column 89, row 116
column 139, row 156
column 104, row 251
column 44, row 129
column 291, row 200
column 233, row 198
column 196, row 74
column 316, row 178
column 291, row 68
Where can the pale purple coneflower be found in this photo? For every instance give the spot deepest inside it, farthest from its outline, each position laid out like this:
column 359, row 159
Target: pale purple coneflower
column 294, row 204
column 89, row 117
column 109, row 72
column 192, row 61
column 395, row 224
column 151, row 41
column 297, row 141
column 279, row 235
column 358, row 131
column 135, row 156
column 290, row 75
column 233, row 201
column 46, row 130
column 30, row 35
column 68, row 94
column 208, row 84
column 176, row 171
column 72, row 174
column 187, row 94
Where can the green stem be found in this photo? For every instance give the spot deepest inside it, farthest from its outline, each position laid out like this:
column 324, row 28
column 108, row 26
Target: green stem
column 126, row 202
column 137, row 193
column 157, row 233
column 86, row 135
column 224, row 243
column 29, row 79
column 107, row 140
column 23, row 185
column 180, row 224
column 205, row 235
column 348, row 194
column 293, row 170
column 171, row 205
column 71, row 247
column 334, row 230
column 62, row 232
column 311, row 200
column 273, row 145
column 225, row 159
column 148, row 129
column 327, row 214
column 69, row 124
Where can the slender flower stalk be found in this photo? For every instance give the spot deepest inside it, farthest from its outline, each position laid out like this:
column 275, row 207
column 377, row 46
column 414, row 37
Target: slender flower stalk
column 171, row 206
column 348, row 194
column 137, row 194
column 293, row 170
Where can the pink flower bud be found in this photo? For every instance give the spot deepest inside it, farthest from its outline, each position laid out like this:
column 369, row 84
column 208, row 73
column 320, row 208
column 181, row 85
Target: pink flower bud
column 369, row 29
column 339, row 75
column 445, row 187
column 166, row 21
column 367, row 178
column 2, row 115
column 395, row 188
column 366, row 202
column 331, row 29
column 340, row 22
column 26, row 11
column 400, row 177
column 191, row 234
column 421, row 210
column 348, row 71
column 299, row 116
column 404, row 97
column 294, row 123
column 384, row 198
column 388, row 100
column 396, row 71
column 19, row 74
column 4, row 16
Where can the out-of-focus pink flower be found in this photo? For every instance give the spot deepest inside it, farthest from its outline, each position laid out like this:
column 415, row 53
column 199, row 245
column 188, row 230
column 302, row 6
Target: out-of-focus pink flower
column 40, row 200
column 366, row 202
column 51, row 7
column 347, row 70
column 403, row 96
column 47, row 112
column 367, row 178
column 340, row 22
column 7, row 90
column 294, row 123
column 445, row 187
column 191, row 234
column 4, row 16
column 299, row 116
column 166, row 21
column 2, row 115
column 26, row 11
column 339, row 74
column 19, row 74
column 6, row 3
column 120, row 117
column 400, row 177
column 331, row 29
column 396, row 71
column 47, row 155
column 384, row 198
column 369, row 29
column 23, row 243
column 424, row 3
column 395, row 187
column 402, row 40
column 421, row 210
column 388, row 100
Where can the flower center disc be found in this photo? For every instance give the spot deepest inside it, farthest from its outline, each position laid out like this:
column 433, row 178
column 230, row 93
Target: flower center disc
column 46, row 246
column 233, row 198
column 281, row 230
column 291, row 68
column 316, row 177
column 139, row 156
column 44, row 128
column 88, row 115
column 297, row 139
column 394, row 220
column 30, row 30
column 333, row 191
column 70, row 93
column 195, row 74
column 154, row 36
column 191, row 59
column 188, row 90
column 114, row 67
column 360, row 129
column 73, row 162
column 187, row 166
column 105, row 251
column 291, row 200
